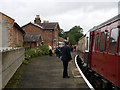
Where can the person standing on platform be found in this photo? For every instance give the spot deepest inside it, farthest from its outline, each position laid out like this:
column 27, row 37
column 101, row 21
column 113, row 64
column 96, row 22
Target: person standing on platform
column 56, row 51
column 50, row 50
column 66, row 57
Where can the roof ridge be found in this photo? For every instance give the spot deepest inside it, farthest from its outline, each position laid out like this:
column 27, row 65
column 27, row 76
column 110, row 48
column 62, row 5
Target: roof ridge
column 34, row 24
column 7, row 16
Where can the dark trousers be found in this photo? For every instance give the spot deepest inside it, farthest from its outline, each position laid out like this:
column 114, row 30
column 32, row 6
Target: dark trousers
column 65, row 66
column 50, row 52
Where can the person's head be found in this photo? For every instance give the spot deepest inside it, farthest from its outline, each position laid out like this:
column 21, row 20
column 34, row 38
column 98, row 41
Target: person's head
column 66, row 43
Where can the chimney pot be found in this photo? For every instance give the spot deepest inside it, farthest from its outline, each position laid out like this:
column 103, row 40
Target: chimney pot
column 37, row 16
column 45, row 21
column 37, row 20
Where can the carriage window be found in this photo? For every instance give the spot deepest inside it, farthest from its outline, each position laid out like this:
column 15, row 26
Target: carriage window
column 102, row 41
column 95, row 43
column 86, row 47
column 119, row 46
column 113, row 40
column 107, row 39
column 94, row 46
column 98, row 42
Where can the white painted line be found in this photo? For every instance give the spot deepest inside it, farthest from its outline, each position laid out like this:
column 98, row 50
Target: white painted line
column 89, row 85
column 78, row 76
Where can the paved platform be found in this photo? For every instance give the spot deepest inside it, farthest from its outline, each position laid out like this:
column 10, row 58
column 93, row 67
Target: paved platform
column 46, row 72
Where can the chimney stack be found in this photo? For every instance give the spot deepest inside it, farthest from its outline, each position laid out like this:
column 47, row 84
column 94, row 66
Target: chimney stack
column 45, row 21
column 37, row 20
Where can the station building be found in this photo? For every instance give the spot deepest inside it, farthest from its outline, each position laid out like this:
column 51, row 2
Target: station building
column 48, row 32
column 11, row 34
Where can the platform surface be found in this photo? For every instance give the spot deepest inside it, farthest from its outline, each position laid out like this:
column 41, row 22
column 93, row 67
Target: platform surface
column 46, row 72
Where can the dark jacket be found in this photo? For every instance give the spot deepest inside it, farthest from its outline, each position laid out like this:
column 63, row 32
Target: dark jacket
column 66, row 56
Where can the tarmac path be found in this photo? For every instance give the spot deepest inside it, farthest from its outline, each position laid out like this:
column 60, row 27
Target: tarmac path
column 46, row 72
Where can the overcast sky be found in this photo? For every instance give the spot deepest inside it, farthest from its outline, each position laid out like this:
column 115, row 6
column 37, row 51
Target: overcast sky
column 68, row 13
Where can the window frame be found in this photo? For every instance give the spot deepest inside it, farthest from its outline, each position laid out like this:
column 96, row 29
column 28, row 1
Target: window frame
column 96, row 42
column 116, row 47
column 94, row 45
column 107, row 44
column 104, row 42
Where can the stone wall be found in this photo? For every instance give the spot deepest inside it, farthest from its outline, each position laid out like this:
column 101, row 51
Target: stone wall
column 11, row 60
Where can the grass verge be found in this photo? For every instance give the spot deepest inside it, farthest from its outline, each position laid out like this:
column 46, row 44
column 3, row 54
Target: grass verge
column 13, row 82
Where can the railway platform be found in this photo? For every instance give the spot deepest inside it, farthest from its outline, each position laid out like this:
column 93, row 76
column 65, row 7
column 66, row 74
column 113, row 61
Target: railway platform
column 46, row 72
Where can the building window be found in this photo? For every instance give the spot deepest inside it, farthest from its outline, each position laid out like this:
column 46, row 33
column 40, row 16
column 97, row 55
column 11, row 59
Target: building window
column 102, row 42
column 113, row 40
column 107, row 40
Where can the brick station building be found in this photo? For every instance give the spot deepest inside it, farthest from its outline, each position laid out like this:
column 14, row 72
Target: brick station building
column 49, row 31
column 32, row 40
column 11, row 34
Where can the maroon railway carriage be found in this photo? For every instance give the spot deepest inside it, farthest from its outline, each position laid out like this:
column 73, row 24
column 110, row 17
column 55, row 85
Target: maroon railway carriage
column 104, row 50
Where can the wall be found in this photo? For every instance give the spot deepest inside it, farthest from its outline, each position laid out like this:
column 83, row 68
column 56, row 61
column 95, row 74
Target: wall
column 0, row 53
column 0, row 70
column 7, row 29
column 17, row 37
column 9, row 33
column 11, row 60
column 30, row 28
column 56, row 37
column 0, row 32
column 28, row 44
column 48, row 37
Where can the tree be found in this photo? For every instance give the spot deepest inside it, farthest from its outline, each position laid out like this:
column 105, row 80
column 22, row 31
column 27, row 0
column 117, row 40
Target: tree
column 61, row 32
column 74, row 34
column 76, row 29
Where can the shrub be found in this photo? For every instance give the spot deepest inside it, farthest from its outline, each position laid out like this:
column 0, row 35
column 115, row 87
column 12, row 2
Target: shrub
column 34, row 52
column 44, row 49
column 30, row 53
column 25, row 62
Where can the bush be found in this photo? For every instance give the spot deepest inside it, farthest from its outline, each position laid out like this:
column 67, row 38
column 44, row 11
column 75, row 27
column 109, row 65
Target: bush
column 29, row 53
column 44, row 49
column 25, row 62
column 34, row 52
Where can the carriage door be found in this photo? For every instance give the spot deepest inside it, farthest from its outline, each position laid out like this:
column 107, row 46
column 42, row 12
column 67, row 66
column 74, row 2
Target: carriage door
column 90, row 48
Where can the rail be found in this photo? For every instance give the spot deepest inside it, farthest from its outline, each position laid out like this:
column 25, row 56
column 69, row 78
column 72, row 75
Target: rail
column 87, row 82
